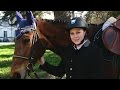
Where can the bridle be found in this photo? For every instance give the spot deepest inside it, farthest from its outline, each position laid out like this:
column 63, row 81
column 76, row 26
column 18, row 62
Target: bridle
column 29, row 66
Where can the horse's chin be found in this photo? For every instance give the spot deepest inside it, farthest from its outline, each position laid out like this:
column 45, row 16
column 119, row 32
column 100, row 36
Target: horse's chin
column 16, row 76
column 22, row 73
column 19, row 75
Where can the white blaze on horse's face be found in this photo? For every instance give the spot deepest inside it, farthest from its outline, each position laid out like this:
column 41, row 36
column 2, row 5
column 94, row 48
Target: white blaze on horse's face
column 22, row 50
column 23, row 44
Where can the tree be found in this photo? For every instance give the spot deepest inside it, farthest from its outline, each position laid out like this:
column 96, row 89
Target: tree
column 62, row 15
column 10, row 17
column 98, row 17
column 115, row 14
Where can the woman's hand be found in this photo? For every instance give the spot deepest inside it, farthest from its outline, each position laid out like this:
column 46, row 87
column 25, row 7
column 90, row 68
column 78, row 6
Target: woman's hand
column 42, row 60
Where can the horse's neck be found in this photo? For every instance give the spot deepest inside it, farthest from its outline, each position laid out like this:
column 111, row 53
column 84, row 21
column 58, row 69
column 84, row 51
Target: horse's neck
column 54, row 35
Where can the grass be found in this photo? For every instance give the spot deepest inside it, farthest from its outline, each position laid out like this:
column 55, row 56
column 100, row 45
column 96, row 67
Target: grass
column 6, row 52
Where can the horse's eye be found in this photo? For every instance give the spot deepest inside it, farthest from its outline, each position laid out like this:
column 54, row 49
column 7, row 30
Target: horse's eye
column 26, row 41
column 26, row 32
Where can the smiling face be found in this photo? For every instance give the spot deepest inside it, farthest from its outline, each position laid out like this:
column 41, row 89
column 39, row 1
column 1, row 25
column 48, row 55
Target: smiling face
column 77, row 35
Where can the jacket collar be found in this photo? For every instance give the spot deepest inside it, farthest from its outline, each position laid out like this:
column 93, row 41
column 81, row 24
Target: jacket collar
column 86, row 43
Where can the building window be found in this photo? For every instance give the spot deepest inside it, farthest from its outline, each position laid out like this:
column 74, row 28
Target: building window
column 5, row 33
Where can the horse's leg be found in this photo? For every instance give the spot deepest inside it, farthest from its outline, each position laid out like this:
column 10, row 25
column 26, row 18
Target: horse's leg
column 118, row 67
column 112, row 68
column 108, row 69
column 115, row 67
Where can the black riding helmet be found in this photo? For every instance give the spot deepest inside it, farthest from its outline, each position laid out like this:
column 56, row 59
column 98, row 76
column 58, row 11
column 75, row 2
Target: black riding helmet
column 77, row 22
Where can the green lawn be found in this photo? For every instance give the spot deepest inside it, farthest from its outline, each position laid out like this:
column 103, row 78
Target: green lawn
column 6, row 52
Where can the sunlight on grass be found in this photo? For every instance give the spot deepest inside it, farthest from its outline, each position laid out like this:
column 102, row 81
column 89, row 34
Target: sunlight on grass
column 6, row 53
column 5, row 73
column 51, row 57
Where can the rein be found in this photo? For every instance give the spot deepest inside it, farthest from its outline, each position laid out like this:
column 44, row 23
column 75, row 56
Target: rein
column 30, row 64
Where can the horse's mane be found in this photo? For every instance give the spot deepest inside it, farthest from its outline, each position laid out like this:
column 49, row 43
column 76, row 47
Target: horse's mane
column 56, row 21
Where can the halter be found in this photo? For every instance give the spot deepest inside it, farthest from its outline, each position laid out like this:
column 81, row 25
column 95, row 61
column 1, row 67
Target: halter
column 30, row 59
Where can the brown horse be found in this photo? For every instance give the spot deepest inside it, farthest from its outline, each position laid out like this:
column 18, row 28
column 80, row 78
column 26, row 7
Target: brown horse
column 31, row 44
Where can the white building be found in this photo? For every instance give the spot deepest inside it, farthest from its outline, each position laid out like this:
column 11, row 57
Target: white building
column 7, row 32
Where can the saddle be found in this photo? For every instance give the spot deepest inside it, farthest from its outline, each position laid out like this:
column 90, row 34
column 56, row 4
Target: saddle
column 111, row 37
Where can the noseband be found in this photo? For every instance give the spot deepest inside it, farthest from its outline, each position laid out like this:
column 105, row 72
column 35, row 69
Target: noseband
column 17, row 56
column 30, row 58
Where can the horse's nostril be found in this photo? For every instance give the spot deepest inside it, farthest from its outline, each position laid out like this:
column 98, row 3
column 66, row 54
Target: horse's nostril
column 16, row 76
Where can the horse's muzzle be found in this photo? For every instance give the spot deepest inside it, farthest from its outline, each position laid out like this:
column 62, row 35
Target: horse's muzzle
column 16, row 76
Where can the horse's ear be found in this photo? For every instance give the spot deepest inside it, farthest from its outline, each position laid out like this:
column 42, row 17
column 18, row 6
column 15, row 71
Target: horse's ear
column 30, row 17
column 19, row 16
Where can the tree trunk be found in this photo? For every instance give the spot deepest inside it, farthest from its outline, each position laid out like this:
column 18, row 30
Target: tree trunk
column 62, row 15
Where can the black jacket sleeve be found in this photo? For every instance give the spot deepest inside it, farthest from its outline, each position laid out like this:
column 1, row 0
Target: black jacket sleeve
column 54, row 70
column 60, row 51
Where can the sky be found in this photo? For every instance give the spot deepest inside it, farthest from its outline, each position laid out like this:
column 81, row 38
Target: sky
column 84, row 13
column 48, row 16
column 51, row 16
column 1, row 14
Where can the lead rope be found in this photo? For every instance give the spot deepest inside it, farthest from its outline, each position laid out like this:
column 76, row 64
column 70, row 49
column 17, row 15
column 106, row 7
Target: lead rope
column 30, row 68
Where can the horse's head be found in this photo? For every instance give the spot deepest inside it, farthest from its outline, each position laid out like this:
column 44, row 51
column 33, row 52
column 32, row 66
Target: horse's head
column 23, row 43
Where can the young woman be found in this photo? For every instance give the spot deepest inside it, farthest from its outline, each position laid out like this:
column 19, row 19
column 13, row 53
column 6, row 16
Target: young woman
column 81, row 60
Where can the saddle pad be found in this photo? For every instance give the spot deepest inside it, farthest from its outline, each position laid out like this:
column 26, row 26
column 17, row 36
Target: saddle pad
column 111, row 40
column 117, row 24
